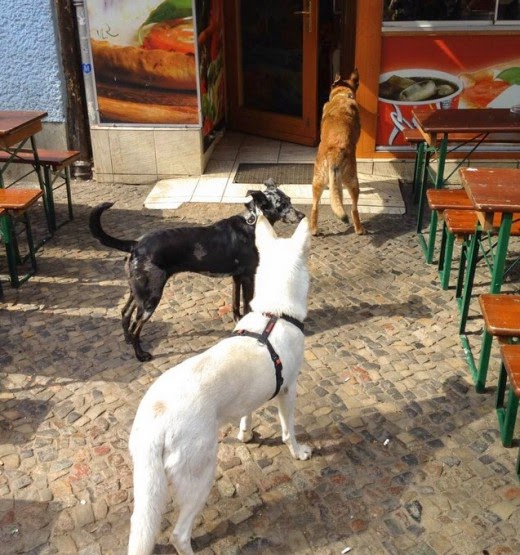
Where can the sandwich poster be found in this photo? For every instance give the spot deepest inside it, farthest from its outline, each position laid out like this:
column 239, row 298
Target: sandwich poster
column 444, row 71
column 144, row 55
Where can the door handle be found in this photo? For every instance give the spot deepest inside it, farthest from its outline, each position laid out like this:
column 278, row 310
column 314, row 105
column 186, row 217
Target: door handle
column 307, row 12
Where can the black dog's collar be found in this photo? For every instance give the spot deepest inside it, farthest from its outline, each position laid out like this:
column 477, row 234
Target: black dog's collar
column 263, row 340
column 251, row 218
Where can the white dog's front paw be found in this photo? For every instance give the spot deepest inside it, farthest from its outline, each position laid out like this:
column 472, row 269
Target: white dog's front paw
column 245, row 436
column 303, row 452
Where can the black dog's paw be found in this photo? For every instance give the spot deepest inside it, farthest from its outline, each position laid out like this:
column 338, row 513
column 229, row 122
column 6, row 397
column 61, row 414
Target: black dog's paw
column 143, row 356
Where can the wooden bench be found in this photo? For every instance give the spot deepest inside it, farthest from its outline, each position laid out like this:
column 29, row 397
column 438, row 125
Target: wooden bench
column 501, row 313
column 56, row 173
column 15, row 204
column 441, row 200
column 459, row 225
column 507, row 412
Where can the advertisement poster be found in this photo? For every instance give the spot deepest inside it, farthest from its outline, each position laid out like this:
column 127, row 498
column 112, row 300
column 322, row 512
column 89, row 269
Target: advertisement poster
column 444, row 72
column 143, row 54
column 210, row 23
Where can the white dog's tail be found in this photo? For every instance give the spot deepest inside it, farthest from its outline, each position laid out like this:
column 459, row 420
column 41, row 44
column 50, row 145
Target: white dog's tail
column 150, row 492
column 336, row 186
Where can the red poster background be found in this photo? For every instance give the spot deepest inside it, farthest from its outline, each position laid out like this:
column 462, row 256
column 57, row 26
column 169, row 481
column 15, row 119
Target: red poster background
column 472, row 62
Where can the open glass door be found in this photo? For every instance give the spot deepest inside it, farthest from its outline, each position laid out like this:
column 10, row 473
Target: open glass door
column 271, row 55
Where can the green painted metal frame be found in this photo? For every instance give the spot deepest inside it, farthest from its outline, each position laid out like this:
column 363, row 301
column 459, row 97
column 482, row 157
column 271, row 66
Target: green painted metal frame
column 423, row 171
column 479, row 370
column 8, row 236
column 50, row 178
column 506, row 413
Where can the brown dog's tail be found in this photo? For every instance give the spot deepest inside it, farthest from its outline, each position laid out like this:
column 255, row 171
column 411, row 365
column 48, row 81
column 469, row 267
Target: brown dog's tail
column 335, row 186
column 125, row 245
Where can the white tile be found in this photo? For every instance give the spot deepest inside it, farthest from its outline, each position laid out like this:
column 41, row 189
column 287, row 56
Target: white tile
column 209, row 188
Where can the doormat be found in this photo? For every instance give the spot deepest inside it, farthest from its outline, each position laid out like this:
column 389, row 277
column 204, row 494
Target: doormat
column 283, row 174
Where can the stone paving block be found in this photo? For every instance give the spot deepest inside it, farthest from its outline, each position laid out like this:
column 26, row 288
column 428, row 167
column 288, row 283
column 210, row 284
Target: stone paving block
column 382, row 361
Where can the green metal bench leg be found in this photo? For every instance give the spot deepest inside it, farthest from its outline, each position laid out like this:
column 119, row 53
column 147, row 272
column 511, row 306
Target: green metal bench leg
column 483, row 363
column 8, row 235
column 459, row 287
column 446, row 257
column 49, row 200
column 506, row 414
column 471, row 262
column 10, row 248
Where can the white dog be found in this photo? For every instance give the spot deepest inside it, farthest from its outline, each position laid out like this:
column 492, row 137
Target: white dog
column 175, row 433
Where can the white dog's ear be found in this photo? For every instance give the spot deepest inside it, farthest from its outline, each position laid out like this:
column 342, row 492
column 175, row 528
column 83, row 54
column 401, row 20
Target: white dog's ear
column 302, row 235
column 264, row 231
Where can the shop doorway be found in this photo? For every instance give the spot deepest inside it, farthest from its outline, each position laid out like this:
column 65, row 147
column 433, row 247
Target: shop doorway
column 281, row 58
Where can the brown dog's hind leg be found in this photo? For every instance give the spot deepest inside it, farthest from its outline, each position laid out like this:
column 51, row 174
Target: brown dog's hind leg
column 353, row 189
column 317, row 190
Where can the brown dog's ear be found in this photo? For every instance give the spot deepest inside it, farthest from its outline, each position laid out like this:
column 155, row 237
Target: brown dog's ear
column 353, row 80
column 337, row 79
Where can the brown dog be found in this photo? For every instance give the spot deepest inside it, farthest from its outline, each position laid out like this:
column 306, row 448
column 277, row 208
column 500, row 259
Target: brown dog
column 335, row 165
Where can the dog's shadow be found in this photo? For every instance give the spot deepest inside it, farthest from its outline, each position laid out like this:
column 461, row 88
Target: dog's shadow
column 323, row 318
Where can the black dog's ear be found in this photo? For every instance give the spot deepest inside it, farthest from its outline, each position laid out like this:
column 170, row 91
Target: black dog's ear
column 259, row 199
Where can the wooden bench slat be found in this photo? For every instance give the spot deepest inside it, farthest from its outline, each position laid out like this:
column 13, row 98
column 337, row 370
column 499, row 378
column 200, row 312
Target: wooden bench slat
column 444, row 199
column 53, row 158
column 18, row 199
column 464, row 222
column 501, row 313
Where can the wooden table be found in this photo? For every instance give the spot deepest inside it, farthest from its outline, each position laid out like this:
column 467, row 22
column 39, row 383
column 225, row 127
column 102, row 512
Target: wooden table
column 459, row 127
column 17, row 128
column 493, row 191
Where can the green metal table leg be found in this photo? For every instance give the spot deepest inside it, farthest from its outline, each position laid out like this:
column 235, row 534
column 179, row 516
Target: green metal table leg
column 499, row 260
column 439, row 184
column 464, row 300
column 418, row 171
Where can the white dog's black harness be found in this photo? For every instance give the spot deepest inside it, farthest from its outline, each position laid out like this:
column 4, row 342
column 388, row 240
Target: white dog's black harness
column 263, row 340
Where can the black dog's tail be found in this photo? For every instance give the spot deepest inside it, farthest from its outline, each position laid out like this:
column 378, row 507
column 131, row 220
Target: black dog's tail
column 125, row 245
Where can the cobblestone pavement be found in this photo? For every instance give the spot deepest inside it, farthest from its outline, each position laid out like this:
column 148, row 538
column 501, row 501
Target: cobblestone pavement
column 407, row 457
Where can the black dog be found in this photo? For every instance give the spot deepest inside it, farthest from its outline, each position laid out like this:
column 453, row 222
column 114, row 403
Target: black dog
column 224, row 248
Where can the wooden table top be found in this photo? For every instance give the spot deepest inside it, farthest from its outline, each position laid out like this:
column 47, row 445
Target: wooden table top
column 15, row 126
column 467, row 120
column 492, row 189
